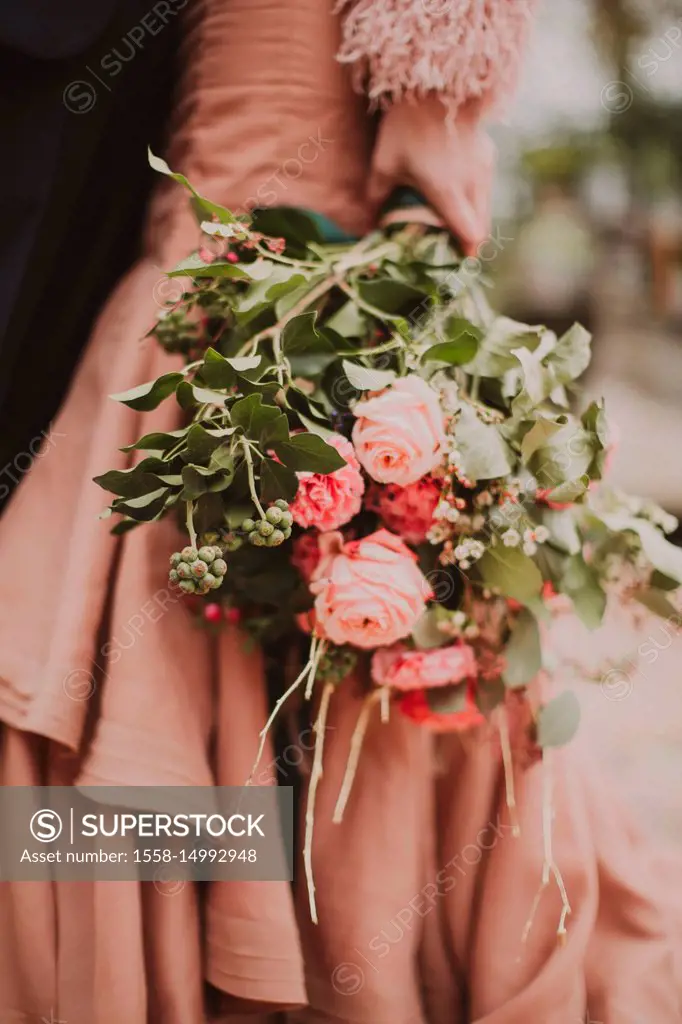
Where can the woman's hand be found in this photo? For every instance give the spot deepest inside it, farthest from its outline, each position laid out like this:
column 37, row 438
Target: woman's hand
column 450, row 163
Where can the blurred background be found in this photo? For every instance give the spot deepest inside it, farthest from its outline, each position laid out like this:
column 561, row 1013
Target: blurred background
column 590, row 199
column 589, row 202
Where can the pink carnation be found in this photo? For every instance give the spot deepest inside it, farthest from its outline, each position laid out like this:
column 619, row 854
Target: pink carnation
column 329, row 500
column 407, row 511
column 306, row 554
column 403, row 669
column 369, row 592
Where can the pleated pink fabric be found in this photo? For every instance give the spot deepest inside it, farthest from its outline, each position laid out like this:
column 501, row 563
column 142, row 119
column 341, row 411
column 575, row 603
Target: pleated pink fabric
column 423, row 892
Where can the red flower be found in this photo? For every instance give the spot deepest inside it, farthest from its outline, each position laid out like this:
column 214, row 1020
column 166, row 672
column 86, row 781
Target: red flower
column 419, row 706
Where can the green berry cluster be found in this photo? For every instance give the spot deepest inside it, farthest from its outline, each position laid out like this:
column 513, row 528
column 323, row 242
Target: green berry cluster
column 271, row 531
column 197, row 572
column 336, row 663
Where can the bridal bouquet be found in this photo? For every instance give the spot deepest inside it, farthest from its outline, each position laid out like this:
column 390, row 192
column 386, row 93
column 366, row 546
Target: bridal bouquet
column 368, row 454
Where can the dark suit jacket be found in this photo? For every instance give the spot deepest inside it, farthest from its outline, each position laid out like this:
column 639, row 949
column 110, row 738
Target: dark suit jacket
column 85, row 87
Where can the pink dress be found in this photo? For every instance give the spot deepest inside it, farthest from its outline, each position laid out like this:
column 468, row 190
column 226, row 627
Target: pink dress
column 422, row 891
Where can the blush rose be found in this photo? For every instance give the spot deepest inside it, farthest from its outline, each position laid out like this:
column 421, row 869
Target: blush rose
column 403, row 669
column 368, row 593
column 399, row 434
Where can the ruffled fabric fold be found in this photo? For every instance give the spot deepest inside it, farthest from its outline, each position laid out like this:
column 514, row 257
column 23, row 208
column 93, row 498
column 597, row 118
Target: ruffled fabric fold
column 467, row 51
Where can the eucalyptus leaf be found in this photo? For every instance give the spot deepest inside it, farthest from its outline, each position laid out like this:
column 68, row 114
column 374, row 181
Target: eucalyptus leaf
column 664, row 556
column 511, row 572
column 558, row 720
column 523, row 653
column 495, row 353
column 571, row 355
column 157, row 441
column 390, row 295
column 484, row 453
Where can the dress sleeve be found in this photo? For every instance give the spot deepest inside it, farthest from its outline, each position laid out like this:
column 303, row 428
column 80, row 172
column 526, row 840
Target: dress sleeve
column 468, row 51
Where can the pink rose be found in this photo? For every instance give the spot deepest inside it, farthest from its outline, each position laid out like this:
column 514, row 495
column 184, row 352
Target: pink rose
column 368, row 592
column 407, row 511
column 403, row 669
column 330, row 500
column 399, row 434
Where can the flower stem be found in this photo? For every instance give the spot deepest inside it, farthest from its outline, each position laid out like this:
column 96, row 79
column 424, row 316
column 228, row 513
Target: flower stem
column 246, row 448
column 508, row 772
column 356, row 743
column 190, row 525
column 285, row 696
column 315, row 776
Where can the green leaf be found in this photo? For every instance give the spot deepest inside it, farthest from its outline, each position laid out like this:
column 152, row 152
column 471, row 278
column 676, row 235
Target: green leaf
column 563, row 531
column 315, row 427
column 147, row 396
column 558, row 720
column 145, row 508
column 274, row 430
column 523, row 653
column 287, row 222
column 194, row 266
column 301, row 335
column 157, row 441
column 222, row 458
column 277, row 481
column 364, row 378
column 456, row 353
column 495, row 354
column 658, row 603
column 426, row 634
column 348, row 321
column 390, row 295
column 539, row 435
column 484, row 453
column 201, row 444
column 566, row 456
column 447, row 700
column 581, row 583
column 130, row 483
column 204, row 207
column 511, row 572
column 571, row 355
column 252, row 415
column 309, row 453
column 663, row 556
column 569, row 492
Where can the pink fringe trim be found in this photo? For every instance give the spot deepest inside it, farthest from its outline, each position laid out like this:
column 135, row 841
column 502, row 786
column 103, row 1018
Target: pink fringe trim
column 465, row 50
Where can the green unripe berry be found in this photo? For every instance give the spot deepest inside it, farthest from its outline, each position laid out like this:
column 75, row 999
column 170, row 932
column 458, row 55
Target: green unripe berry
column 233, row 542
column 175, row 559
column 188, row 586
column 274, row 515
column 282, row 504
column 173, row 576
column 256, row 539
column 189, row 554
column 207, row 554
column 198, row 568
column 219, row 567
column 286, row 520
column 248, row 525
column 184, row 571
column 265, row 528
column 202, row 586
column 287, row 533
column 210, row 538
column 275, row 539
column 211, row 581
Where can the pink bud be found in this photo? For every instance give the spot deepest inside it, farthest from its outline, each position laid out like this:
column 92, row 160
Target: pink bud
column 232, row 257
column 233, row 616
